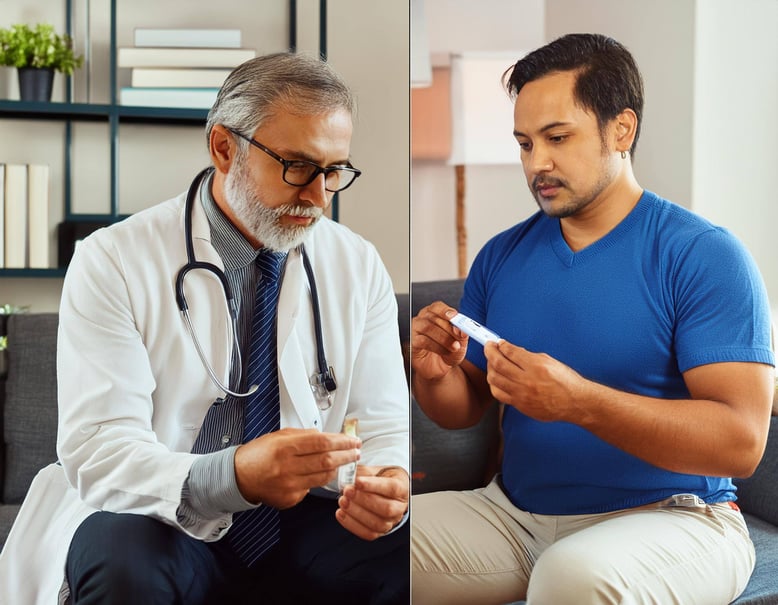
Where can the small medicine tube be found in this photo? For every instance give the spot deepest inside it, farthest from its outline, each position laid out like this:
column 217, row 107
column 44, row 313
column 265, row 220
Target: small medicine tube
column 348, row 472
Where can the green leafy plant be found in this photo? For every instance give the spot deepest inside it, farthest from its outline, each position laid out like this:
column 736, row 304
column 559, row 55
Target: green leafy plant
column 8, row 310
column 39, row 46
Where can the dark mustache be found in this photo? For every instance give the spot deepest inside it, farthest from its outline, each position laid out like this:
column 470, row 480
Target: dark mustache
column 540, row 182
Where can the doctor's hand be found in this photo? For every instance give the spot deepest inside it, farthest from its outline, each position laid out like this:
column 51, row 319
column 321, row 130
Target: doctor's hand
column 376, row 502
column 278, row 468
column 436, row 345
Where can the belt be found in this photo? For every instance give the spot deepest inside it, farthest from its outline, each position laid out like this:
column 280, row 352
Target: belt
column 682, row 501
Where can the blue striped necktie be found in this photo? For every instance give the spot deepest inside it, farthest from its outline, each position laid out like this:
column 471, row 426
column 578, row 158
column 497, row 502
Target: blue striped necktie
column 255, row 531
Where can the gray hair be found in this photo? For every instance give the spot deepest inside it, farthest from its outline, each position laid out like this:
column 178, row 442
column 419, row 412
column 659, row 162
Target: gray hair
column 293, row 82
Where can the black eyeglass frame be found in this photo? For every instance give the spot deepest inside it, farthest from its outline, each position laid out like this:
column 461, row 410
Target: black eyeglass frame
column 317, row 170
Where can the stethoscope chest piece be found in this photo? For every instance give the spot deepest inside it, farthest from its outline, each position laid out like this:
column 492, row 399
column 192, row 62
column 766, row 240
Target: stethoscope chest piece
column 323, row 385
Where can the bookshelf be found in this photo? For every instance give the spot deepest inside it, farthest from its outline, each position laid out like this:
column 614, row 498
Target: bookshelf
column 114, row 115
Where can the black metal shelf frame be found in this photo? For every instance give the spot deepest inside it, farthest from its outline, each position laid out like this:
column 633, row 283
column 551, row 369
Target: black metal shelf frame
column 115, row 114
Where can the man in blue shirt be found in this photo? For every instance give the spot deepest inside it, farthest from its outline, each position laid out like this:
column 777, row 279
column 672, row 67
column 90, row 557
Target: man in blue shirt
column 634, row 368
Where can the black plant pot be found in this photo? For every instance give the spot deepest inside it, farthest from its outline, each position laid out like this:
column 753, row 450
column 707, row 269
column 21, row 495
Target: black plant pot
column 35, row 83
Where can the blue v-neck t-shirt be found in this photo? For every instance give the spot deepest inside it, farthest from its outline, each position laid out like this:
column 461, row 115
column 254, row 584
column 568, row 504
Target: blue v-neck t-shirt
column 663, row 292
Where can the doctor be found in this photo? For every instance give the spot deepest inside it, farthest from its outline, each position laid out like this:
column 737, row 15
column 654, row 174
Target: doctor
column 156, row 468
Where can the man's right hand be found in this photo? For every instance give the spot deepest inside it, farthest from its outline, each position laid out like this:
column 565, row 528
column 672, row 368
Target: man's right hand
column 278, row 469
column 436, row 345
column 452, row 391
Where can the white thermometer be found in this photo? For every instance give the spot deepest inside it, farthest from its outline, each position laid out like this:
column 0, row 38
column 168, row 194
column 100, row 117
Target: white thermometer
column 473, row 329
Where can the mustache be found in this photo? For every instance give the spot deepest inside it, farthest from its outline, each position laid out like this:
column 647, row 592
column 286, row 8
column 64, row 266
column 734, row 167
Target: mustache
column 547, row 181
column 300, row 210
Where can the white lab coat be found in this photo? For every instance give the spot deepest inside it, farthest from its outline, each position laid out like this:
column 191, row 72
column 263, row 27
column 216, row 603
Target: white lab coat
column 133, row 392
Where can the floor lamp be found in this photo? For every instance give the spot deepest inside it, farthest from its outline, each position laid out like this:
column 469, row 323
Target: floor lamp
column 481, row 126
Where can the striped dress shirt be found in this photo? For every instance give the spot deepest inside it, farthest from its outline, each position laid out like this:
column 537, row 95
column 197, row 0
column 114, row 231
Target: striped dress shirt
column 211, row 488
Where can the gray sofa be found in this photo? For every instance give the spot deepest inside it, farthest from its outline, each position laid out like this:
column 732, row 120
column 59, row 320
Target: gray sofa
column 441, row 459
column 466, row 459
column 28, row 401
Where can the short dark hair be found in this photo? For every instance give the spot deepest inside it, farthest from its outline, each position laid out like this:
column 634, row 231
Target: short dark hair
column 608, row 81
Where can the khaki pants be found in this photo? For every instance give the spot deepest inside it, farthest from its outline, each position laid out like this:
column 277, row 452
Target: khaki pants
column 476, row 548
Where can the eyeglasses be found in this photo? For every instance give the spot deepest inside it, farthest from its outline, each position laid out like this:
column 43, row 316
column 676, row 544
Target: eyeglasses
column 300, row 173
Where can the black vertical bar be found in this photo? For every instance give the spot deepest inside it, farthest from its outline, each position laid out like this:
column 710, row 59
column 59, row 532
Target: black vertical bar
column 323, row 53
column 68, row 124
column 293, row 25
column 69, row 32
column 68, row 168
column 323, row 29
column 113, row 121
column 112, row 66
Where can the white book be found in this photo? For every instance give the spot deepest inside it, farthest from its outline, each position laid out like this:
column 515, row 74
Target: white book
column 192, row 98
column 183, row 78
column 15, row 216
column 129, row 56
column 38, row 215
column 2, row 215
column 188, row 38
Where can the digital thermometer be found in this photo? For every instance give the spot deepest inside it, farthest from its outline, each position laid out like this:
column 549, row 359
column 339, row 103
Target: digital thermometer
column 473, row 329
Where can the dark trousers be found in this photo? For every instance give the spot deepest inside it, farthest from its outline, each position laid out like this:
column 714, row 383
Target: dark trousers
column 124, row 558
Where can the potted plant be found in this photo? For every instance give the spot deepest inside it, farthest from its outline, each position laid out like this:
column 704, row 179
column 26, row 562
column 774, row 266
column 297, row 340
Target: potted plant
column 37, row 52
column 5, row 312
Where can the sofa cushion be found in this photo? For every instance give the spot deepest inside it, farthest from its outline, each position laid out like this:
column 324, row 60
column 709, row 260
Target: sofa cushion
column 424, row 293
column 452, row 459
column 762, row 589
column 3, row 368
column 444, row 459
column 758, row 495
column 8, row 514
column 31, row 401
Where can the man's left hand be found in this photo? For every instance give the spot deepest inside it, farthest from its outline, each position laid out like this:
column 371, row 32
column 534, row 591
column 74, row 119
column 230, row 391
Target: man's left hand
column 376, row 502
column 536, row 384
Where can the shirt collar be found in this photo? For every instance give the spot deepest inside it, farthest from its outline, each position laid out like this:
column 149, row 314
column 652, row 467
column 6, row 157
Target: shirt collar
column 234, row 249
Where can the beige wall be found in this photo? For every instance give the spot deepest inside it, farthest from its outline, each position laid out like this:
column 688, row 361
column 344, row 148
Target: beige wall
column 367, row 43
column 736, row 95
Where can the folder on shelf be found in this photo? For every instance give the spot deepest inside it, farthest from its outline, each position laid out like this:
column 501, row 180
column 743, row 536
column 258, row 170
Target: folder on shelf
column 129, row 56
column 187, row 38
column 15, row 216
column 151, row 77
column 197, row 98
column 38, row 227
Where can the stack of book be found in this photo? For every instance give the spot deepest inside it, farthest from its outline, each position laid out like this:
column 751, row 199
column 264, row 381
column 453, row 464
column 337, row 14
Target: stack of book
column 24, row 216
column 180, row 67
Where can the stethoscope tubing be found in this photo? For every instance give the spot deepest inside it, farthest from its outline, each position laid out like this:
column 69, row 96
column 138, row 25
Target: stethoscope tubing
column 326, row 374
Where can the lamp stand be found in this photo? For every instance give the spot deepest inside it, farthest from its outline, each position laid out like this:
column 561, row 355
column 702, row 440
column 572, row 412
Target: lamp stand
column 461, row 229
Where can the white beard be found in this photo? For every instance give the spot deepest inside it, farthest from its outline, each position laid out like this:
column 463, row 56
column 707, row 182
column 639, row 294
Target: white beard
column 265, row 223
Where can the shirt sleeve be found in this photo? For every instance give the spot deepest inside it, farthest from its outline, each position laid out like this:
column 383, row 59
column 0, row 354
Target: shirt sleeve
column 720, row 301
column 211, row 490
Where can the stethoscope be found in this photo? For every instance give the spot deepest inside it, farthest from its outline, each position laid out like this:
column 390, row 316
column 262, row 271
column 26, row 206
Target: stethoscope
column 322, row 382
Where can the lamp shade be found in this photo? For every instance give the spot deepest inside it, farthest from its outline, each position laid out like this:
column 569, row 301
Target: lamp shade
column 481, row 111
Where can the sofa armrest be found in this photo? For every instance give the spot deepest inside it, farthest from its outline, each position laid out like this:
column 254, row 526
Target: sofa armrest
column 444, row 459
column 758, row 494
